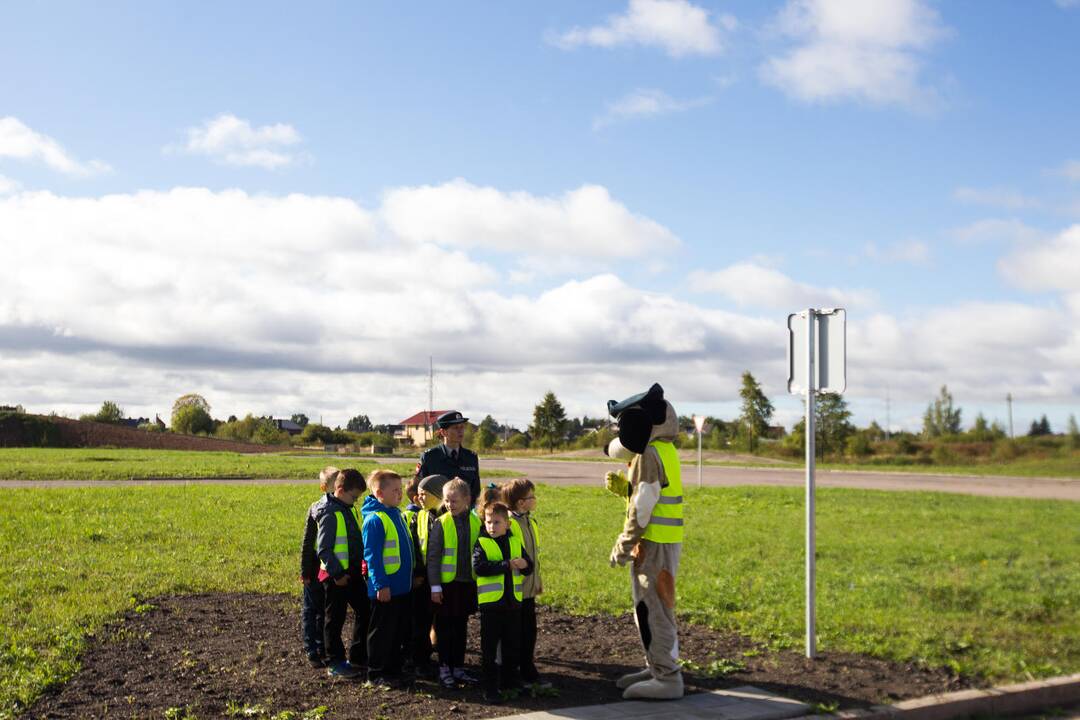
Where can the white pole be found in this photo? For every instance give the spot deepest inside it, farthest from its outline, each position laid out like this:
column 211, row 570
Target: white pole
column 699, row 458
column 811, row 377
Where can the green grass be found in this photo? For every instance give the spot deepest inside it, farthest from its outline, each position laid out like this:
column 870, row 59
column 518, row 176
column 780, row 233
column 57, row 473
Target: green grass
column 126, row 463
column 1062, row 466
column 988, row 586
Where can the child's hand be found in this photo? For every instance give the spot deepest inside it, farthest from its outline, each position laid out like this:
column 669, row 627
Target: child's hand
column 436, row 597
column 383, row 595
column 518, row 563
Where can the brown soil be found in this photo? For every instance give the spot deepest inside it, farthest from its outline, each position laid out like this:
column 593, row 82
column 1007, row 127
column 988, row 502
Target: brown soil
column 203, row 652
column 82, row 433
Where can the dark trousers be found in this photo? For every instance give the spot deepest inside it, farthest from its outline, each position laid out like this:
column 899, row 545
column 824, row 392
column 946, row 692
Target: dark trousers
column 390, row 622
column 338, row 601
column 450, row 635
column 529, row 672
column 312, row 617
column 420, row 641
column 501, row 625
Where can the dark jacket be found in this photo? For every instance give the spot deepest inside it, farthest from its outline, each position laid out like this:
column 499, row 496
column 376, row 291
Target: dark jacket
column 437, row 461
column 326, row 517
column 400, row 583
column 309, row 558
column 485, row 567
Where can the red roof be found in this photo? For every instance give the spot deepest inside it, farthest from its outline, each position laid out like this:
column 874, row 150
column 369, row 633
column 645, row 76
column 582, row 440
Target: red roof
column 424, row 417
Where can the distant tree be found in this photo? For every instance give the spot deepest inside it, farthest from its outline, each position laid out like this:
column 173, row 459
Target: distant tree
column 1040, row 427
column 300, row 419
column 858, row 444
column 381, row 429
column 874, row 432
column 1073, row 433
column 549, row 422
column 487, row 433
column 980, row 431
column 756, row 409
column 360, row 424
column 941, row 418
column 267, row 433
column 192, row 419
column 232, row 418
column 110, row 412
column 191, row 399
column 832, row 425
column 316, row 433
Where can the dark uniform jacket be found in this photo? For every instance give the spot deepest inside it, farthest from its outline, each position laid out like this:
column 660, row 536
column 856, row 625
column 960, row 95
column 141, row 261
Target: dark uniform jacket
column 437, row 461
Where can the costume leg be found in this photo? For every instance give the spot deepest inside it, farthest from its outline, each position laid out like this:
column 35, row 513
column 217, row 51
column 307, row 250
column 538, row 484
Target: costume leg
column 653, row 588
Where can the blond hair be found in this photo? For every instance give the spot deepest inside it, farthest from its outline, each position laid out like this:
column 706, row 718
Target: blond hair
column 377, row 478
column 457, row 486
column 326, row 477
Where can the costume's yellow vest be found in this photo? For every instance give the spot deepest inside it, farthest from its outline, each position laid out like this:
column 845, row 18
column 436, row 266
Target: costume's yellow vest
column 666, row 523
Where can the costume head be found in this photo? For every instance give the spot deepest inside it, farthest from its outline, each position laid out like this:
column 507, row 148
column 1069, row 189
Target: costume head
column 636, row 416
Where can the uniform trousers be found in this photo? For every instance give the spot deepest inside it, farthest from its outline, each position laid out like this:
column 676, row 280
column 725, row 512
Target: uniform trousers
column 338, row 600
column 389, row 623
column 501, row 625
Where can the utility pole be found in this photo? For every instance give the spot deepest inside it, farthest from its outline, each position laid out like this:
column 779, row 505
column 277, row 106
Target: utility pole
column 430, row 396
column 1008, row 400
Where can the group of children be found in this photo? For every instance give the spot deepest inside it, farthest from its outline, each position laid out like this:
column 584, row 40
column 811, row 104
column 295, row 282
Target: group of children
column 413, row 574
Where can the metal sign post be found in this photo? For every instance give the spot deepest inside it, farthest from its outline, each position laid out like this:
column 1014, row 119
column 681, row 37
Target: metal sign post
column 822, row 369
column 699, row 423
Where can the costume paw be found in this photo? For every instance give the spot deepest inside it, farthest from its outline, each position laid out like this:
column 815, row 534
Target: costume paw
column 617, row 484
column 631, row 678
column 653, row 689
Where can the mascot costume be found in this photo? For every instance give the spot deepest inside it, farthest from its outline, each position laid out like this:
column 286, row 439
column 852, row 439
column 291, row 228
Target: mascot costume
column 651, row 540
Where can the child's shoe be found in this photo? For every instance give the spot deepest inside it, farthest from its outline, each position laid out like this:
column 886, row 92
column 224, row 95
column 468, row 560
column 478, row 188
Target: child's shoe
column 343, row 670
column 446, row 678
column 316, row 661
column 461, row 676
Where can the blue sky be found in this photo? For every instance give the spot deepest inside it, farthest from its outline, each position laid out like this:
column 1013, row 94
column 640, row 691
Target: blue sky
column 690, row 171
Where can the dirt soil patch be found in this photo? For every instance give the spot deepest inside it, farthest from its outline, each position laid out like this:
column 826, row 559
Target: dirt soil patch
column 221, row 655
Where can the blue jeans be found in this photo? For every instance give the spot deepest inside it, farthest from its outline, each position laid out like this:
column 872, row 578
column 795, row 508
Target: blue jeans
column 313, row 617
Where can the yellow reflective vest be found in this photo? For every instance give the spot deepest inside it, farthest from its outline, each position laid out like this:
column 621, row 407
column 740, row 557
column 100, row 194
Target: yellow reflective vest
column 666, row 523
column 449, row 562
column 490, row 588
column 391, row 551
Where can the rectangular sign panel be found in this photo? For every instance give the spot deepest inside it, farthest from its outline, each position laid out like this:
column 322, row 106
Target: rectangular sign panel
column 830, row 351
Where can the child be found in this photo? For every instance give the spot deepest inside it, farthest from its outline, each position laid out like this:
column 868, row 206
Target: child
column 313, row 605
column 429, row 497
column 450, row 575
column 341, row 553
column 500, row 561
column 491, row 493
column 412, row 492
column 520, row 495
column 388, row 550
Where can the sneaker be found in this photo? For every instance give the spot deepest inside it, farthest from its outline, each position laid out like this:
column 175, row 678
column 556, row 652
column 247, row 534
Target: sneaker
column 461, row 676
column 446, row 678
column 343, row 670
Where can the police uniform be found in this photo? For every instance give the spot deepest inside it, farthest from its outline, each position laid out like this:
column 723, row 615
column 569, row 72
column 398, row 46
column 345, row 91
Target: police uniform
column 462, row 463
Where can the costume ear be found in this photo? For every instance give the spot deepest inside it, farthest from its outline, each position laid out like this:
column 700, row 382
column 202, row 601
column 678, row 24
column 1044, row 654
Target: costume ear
column 635, row 427
column 653, row 404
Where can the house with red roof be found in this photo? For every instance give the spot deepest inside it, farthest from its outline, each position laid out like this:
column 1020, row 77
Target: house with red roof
column 418, row 429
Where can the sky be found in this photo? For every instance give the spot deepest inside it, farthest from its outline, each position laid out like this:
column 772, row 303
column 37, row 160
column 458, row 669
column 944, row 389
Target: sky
column 295, row 208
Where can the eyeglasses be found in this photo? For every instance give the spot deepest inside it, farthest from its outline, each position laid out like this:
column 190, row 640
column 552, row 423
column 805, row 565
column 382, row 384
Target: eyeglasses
column 529, row 497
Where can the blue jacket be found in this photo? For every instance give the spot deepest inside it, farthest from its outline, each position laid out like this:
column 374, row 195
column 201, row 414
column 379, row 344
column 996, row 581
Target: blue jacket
column 400, row 583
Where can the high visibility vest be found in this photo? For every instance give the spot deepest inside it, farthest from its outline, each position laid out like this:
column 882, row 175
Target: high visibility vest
column 391, row 551
column 515, row 529
column 490, row 588
column 666, row 523
column 409, row 516
column 450, row 545
column 341, row 542
column 422, row 532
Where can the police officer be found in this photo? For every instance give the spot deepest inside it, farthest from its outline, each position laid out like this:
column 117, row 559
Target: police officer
column 450, row 459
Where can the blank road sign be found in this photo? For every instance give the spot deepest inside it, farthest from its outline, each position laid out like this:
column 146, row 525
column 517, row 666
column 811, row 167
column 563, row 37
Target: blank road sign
column 830, row 351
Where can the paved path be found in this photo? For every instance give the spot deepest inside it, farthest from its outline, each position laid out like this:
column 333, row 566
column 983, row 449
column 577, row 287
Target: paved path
column 565, row 472
column 562, row 472
column 741, row 703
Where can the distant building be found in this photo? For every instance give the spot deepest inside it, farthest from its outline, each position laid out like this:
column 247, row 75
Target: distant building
column 135, row 422
column 417, row 429
column 288, row 426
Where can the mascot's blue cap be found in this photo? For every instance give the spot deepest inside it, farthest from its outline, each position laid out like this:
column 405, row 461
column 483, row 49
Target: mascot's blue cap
column 651, row 401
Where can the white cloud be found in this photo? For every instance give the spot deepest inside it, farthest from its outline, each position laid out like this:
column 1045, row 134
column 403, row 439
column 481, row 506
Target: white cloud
column 1067, row 4
column 586, row 222
column 851, row 49
column 1051, row 265
column 645, row 102
column 995, row 197
column 7, row 185
column 679, row 27
column 1070, row 170
column 749, row 284
column 996, row 230
column 23, row 143
column 233, row 141
column 915, row 252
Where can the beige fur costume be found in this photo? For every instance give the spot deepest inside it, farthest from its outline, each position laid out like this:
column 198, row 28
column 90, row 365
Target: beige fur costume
column 652, row 575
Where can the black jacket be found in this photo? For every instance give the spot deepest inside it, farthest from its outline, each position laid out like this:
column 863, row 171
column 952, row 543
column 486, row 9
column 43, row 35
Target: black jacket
column 487, row 568
column 326, row 516
column 309, row 558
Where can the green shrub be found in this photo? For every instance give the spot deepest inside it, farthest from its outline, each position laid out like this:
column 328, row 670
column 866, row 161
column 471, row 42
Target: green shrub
column 943, row 455
column 192, row 419
column 267, row 433
column 858, row 445
column 1005, row 450
column 20, row 430
column 516, row 442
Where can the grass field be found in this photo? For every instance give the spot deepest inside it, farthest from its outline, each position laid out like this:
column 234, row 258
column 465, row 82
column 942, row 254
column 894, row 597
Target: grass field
column 988, row 586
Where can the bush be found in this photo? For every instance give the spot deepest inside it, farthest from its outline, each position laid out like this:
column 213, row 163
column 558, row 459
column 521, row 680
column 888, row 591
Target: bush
column 367, row 439
column 21, row 430
column 267, row 433
column 858, row 445
column 516, row 442
column 152, row 427
column 1005, row 450
column 943, row 455
column 906, row 446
